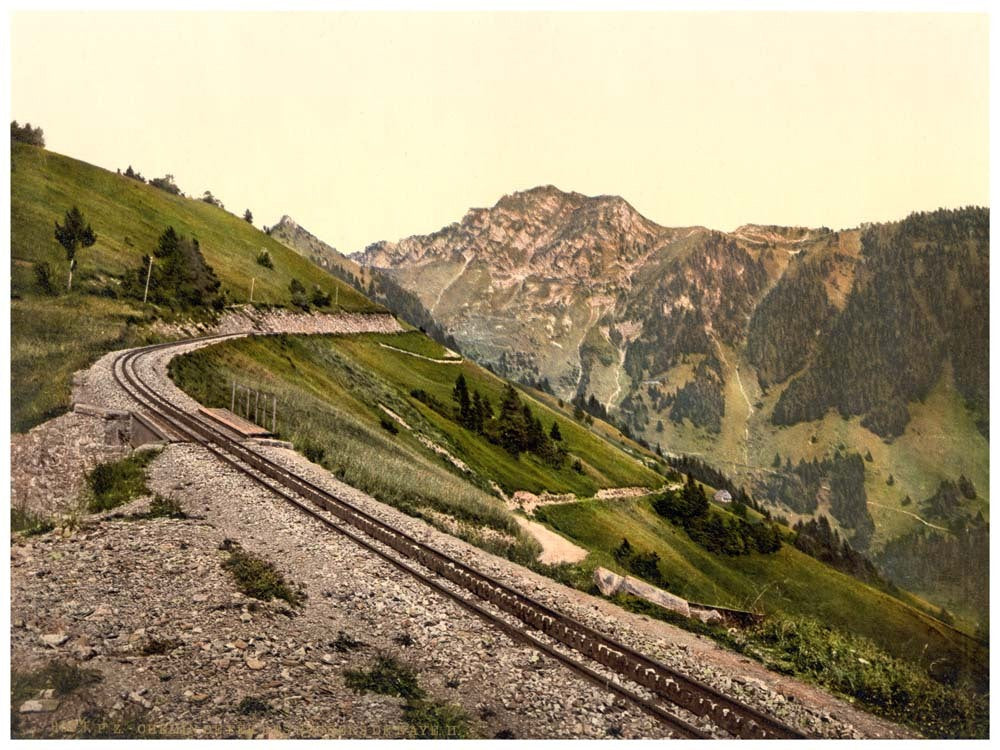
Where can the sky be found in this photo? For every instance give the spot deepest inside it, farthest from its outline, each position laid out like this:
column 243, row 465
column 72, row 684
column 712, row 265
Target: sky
column 376, row 126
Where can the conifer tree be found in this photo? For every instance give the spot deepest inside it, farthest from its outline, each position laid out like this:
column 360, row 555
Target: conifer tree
column 72, row 235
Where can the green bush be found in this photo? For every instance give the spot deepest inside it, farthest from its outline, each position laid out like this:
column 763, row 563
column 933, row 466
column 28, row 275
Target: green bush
column 43, row 279
column 165, row 507
column 313, row 451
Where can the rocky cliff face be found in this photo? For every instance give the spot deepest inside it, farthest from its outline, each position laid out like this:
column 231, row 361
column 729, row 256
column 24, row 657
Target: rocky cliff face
column 801, row 342
column 586, row 292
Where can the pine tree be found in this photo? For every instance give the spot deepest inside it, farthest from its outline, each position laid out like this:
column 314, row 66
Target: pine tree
column 72, row 235
column 460, row 394
column 554, row 432
column 511, row 422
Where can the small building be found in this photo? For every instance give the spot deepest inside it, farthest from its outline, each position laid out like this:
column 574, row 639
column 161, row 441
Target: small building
column 723, row 496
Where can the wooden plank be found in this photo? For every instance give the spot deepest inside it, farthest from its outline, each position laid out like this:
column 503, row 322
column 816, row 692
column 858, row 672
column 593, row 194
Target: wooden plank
column 235, row 422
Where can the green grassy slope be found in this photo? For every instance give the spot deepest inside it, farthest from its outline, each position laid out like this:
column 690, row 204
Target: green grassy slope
column 787, row 582
column 357, row 373
column 53, row 336
column 604, row 466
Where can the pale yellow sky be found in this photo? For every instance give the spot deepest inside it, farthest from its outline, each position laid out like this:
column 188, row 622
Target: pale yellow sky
column 377, row 126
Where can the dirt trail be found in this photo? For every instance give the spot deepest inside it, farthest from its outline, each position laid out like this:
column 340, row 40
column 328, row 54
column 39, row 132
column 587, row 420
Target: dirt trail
column 914, row 515
column 555, row 549
column 456, row 361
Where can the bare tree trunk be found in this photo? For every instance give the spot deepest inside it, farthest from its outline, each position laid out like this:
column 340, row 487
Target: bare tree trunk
column 69, row 284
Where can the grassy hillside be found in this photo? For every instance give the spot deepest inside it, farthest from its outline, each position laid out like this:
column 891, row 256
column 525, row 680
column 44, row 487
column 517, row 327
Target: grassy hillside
column 787, row 582
column 53, row 336
column 357, row 374
column 346, row 402
column 793, row 588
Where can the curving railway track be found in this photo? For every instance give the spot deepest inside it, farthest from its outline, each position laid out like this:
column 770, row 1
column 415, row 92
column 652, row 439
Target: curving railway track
column 650, row 685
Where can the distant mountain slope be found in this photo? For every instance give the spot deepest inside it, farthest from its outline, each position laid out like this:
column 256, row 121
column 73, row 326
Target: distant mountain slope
column 373, row 282
column 304, row 242
column 807, row 343
column 53, row 335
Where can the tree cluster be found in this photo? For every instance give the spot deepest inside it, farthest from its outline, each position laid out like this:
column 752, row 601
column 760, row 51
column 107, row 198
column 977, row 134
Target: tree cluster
column 514, row 426
column 818, row 539
column 210, row 199
column 302, row 300
column 708, row 474
column 133, row 174
column 720, row 533
column 166, row 184
column 402, row 302
column 797, row 486
column 180, row 277
column 955, row 562
column 27, row 134
column 950, row 501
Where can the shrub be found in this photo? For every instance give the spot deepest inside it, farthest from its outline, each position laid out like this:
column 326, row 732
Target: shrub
column 60, row 676
column 166, row 184
column 264, row 259
column 29, row 523
column 165, row 507
column 388, row 425
column 313, row 451
column 319, row 297
column 43, row 279
column 344, row 643
column 158, row 647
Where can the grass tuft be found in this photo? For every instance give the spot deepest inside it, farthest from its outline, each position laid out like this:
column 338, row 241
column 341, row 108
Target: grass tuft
column 28, row 523
column 251, row 705
column 259, row 578
column 386, row 677
column 115, row 483
column 436, row 720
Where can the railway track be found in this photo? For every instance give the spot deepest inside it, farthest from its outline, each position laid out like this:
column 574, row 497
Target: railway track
column 523, row 618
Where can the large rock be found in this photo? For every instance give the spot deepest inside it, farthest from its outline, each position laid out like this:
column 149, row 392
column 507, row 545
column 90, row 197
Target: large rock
column 610, row 583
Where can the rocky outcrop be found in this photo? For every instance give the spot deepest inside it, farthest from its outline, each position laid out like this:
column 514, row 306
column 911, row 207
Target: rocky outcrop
column 610, row 583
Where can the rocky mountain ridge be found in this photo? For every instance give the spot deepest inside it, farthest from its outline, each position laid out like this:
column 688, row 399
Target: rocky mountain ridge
column 727, row 344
